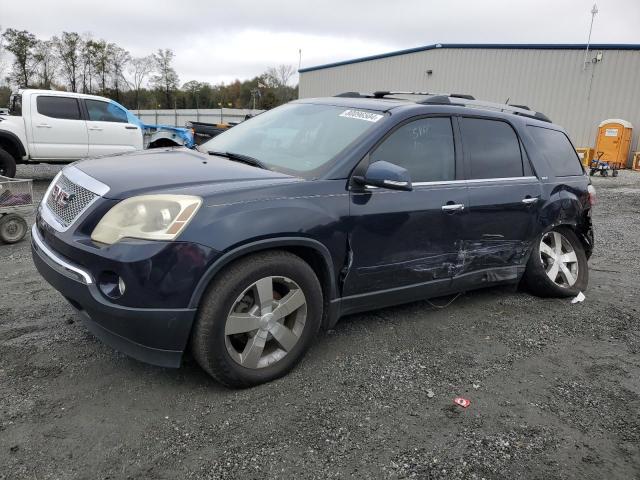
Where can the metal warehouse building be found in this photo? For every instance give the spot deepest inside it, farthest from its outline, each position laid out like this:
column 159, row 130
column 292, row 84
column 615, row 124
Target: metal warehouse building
column 553, row 79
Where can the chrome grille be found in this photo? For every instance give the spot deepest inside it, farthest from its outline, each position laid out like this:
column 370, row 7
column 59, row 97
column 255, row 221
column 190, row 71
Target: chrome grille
column 79, row 199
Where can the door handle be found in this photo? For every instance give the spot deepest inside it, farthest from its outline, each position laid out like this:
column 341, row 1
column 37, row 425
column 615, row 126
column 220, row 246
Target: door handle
column 453, row 207
column 95, row 128
column 529, row 200
column 43, row 125
column 131, row 127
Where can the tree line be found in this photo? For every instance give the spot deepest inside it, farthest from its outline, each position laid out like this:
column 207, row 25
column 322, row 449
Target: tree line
column 80, row 63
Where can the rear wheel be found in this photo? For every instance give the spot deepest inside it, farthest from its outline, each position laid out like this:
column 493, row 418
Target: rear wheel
column 7, row 164
column 257, row 319
column 558, row 265
column 13, row 228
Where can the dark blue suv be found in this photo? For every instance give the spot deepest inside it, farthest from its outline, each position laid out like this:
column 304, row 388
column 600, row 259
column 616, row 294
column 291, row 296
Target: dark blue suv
column 320, row 208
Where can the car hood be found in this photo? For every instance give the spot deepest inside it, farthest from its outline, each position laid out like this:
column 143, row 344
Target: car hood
column 175, row 169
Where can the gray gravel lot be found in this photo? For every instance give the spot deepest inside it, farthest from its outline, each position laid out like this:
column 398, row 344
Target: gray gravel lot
column 554, row 387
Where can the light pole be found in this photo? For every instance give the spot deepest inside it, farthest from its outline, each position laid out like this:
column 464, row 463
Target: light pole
column 594, row 11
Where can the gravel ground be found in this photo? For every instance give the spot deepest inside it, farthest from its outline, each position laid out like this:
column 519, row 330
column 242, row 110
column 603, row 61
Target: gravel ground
column 554, row 387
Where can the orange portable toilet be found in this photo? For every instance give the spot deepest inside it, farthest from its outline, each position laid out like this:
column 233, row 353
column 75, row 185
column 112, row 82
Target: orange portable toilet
column 614, row 142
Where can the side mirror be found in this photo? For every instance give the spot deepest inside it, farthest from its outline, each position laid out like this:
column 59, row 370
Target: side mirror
column 385, row 175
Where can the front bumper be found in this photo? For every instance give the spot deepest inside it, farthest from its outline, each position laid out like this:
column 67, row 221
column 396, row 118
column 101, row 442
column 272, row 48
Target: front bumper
column 155, row 336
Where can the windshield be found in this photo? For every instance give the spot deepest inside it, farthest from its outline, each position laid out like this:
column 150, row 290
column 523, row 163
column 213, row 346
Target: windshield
column 297, row 138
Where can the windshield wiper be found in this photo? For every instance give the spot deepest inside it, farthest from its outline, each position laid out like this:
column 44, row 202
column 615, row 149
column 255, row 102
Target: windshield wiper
column 238, row 157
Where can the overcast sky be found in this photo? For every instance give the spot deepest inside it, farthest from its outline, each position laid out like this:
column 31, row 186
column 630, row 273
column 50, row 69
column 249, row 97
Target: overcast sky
column 218, row 41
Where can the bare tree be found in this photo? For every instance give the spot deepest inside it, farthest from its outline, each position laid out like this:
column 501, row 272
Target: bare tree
column 166, row 78
column 120, row 58
column 21, row 44
column 139, row 69
column 281, row 74
column 68, row 48
column 277, row 78
column 2, row 56
column 47, row 62
column 87, row 55
column 101, row 56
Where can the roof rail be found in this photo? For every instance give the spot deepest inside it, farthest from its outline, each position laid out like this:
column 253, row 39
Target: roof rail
column 460, row 99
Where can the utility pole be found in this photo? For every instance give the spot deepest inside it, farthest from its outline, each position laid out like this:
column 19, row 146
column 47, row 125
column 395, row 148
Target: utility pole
column 594, row 11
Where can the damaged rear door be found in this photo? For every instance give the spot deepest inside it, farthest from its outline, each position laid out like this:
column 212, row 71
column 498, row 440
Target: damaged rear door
column 504, row 201
column 404, row 243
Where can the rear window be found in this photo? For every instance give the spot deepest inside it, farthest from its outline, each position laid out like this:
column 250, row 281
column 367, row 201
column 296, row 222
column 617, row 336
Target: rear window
column 493, row 149
column 561, row 155
column 58, row 107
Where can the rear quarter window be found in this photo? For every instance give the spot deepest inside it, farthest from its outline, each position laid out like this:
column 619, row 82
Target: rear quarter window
column 556, row 147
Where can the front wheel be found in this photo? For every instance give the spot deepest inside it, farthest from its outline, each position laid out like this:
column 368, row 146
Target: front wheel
column 558, row 265
column 257, row 319
column 7, row 164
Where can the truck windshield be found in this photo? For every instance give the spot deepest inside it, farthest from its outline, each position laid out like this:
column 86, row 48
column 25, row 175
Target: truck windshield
column 297, row 138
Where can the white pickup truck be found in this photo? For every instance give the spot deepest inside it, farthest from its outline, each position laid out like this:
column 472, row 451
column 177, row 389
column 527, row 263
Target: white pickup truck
column 52, row 126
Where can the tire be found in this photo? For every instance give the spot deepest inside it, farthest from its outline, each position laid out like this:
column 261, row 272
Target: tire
column 540, row 267
column 230, row 351
column 13, row 228
column 7, row 164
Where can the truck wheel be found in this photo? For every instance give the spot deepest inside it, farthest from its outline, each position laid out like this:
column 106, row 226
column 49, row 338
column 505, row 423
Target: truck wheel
column 257, row 319
column 558, row 265
column 13, row 228
column 7, row 164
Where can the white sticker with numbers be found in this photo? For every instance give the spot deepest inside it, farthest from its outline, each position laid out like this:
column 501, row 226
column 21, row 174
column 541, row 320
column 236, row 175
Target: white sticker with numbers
column 611, row 132
column 361, row 115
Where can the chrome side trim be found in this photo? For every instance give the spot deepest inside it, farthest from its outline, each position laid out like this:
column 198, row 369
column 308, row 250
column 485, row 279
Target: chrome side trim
column 505, row 179
column 475, row 180
column 440, row 182
column 35, row 235
column 78, row 177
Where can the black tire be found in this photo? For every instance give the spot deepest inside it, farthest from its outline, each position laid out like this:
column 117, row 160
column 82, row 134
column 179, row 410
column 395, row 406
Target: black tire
column 7, row 164
column 208, row 336
column 536, row 278
column 13, row 228
column 614, row 173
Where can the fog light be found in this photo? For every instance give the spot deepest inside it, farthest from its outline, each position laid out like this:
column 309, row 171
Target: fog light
column 111, row 285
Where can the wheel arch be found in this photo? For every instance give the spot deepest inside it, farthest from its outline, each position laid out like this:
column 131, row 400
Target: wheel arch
column 12, row 145
column 311, row 251
column 566, row 209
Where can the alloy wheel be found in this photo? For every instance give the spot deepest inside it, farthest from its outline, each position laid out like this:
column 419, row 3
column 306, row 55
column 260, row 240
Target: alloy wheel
column 265, row 322
column 559, row 259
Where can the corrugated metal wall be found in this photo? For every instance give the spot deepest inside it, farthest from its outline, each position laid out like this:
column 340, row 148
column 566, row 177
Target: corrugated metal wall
column 551, row 81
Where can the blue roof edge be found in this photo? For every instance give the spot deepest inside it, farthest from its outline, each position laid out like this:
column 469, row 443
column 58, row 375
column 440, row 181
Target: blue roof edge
column 512, row 46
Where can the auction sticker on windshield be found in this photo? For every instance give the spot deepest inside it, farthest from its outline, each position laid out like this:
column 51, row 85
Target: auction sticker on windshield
column 361, row 115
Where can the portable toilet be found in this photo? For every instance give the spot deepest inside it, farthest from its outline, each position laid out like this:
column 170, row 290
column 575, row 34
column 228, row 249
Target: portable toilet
column 614, row 142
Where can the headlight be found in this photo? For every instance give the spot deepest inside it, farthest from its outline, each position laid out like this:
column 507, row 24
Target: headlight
column 151, row 217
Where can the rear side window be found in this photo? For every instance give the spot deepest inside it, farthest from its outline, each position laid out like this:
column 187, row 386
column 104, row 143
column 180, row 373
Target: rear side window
column 561, row 155
column 105, row 112
column 492, row 147
column 424, row 147
column 58, row 107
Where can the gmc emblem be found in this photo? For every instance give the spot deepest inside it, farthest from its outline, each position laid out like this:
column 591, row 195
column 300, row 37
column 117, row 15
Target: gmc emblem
column 60, row 197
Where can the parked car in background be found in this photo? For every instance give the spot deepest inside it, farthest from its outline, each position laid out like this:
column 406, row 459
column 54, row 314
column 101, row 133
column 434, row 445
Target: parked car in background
column 56, row 127
column 316, row 209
